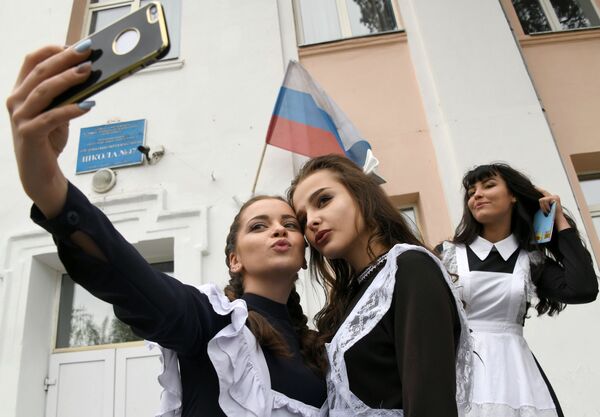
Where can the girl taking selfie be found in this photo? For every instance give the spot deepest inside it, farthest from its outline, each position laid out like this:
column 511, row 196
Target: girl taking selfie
column 247, row 352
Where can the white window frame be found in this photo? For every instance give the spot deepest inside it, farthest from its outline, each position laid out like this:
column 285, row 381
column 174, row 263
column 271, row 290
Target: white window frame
column 55, row 349
column 134, row 5
column 553, row 20
column 406, row 207
column 594, row 209
column 344, row 21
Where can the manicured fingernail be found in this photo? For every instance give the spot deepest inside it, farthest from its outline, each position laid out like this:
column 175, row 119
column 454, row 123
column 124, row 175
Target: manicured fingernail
column 86, row 105
column 83, row 46
column 84, row 66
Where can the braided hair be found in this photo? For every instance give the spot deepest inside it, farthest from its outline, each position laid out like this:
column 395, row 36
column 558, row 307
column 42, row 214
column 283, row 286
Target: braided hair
column 268, row 337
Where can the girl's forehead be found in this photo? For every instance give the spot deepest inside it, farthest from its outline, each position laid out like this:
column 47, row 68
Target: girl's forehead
column 269, row 207
column 482, row 177
column 315, row 181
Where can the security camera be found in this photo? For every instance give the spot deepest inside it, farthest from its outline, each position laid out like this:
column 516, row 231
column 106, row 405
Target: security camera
column 153, row 155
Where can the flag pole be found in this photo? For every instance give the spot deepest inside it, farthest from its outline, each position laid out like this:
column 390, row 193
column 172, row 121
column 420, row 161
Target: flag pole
column 262, row 158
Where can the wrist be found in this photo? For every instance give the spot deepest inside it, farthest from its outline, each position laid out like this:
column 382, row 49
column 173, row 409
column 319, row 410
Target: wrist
column 561, row 223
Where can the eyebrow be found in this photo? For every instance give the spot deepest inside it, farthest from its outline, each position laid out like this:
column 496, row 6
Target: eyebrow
column 314, row 195
column 266, row 217
column 483, row 181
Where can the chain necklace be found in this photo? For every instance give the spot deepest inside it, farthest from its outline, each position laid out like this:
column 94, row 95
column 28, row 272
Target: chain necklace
column 370, row 269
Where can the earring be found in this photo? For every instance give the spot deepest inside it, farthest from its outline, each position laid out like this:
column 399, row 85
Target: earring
column 304, row 264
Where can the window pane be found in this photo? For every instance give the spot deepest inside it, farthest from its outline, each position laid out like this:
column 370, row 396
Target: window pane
column 84, row 320
column 103, row 18
column 596, row 220
column 531, row 16
column 591, row 191
column 320, row 21
column 410, row 215
column 575, row 14
column 371, row 16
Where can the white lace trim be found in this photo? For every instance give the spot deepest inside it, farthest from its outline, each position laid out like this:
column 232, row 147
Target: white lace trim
column 244, row 380
column 449, row 257
column 535, row 258
column 503, row 410
column 363, row 318
column 281, row 402
column 170, row 381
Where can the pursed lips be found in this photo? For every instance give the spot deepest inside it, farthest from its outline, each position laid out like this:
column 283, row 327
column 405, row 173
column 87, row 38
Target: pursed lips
column 322, row 236
column 281, row 245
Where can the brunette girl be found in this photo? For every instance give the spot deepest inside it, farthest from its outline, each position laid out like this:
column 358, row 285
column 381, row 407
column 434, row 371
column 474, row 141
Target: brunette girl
column 246, row 353
column 396, row 333
column 501, row 269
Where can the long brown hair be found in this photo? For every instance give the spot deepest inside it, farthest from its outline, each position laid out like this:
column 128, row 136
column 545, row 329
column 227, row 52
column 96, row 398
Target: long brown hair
column 311, row 348
column 388, row 228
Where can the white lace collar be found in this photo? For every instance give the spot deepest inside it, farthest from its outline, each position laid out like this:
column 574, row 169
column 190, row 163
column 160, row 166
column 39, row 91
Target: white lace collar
column 506, row 247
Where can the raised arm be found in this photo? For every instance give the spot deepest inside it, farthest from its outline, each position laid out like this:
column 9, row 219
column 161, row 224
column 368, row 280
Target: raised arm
column 573, row 281
column 40, row 136
column 157, row 306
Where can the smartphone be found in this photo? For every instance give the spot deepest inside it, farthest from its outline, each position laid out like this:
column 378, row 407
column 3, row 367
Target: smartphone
column 126, row 46
column 543, row 224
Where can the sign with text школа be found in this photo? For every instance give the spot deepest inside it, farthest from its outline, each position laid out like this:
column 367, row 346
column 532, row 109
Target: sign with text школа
column 110, row 146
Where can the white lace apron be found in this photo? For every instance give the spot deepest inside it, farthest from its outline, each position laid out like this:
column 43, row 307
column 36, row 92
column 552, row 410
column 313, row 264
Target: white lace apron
column 506, row 379
column 244, row 380
column 365, row 315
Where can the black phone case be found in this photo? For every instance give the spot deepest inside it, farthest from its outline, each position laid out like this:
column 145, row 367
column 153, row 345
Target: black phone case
column 107, row 66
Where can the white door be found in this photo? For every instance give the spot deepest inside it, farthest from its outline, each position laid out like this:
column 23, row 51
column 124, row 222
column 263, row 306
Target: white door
column 81, row 384
column 104, row 383
column 137, row 391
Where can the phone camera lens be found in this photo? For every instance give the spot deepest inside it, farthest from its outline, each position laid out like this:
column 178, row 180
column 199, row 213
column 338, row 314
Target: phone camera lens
column 153, row 10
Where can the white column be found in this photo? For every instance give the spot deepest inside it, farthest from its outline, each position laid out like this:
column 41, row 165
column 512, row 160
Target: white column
column 481, row 106
column 479, row 99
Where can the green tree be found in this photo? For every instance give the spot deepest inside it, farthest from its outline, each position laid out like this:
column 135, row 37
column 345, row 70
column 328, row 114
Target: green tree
column 377, row 15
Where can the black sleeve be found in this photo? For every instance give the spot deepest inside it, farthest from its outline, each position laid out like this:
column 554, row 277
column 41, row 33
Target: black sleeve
column 573, row 282
column 426, row 330
column 156, row 306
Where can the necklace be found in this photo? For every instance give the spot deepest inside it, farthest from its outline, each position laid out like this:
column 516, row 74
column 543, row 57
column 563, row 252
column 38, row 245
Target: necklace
column 370, row 269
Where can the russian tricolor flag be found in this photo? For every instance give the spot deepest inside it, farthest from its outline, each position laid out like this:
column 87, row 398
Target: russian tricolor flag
column 308, row 122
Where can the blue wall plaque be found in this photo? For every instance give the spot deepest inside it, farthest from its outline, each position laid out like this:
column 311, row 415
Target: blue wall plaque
column 109, row 146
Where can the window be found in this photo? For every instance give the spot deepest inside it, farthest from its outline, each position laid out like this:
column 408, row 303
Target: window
column 328, row 20
column 537, row 16
column 410, row 215
column 101, row 13
column 591, row 191
column 84, row 320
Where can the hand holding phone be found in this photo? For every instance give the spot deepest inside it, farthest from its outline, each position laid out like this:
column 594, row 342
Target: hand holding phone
column 126, row 46
column 543, row 224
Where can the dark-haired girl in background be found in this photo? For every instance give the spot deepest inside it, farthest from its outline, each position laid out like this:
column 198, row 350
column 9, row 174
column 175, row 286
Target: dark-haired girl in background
column 247, row 354
column 500, row 270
